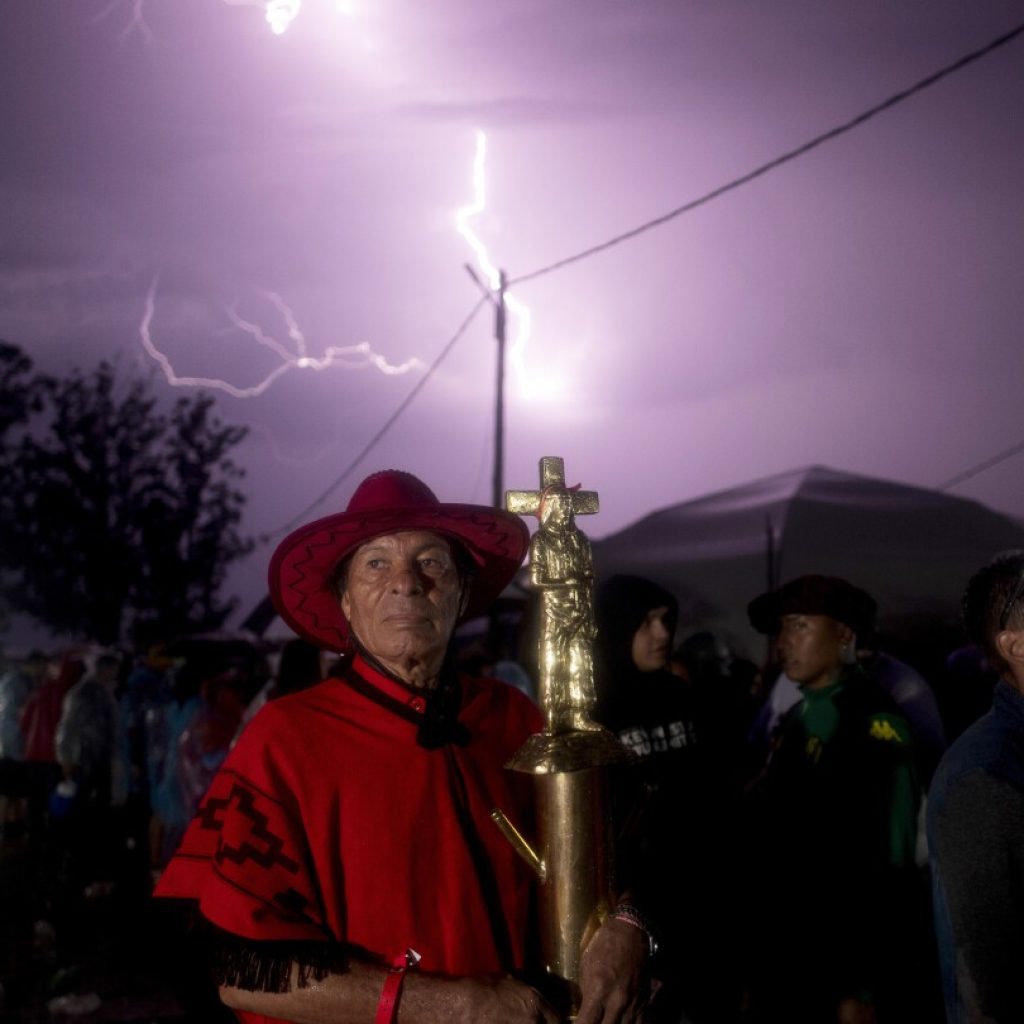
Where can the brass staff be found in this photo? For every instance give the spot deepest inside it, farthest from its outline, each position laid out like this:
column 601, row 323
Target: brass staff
column 574, row 860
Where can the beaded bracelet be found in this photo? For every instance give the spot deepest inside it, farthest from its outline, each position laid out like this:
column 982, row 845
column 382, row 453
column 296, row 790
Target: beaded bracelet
column 631, row 915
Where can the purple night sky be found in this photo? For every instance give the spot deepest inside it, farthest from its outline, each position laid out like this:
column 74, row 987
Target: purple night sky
column 858, row 307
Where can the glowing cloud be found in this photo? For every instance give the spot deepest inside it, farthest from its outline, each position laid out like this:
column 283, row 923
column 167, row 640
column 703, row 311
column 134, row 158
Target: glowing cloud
column 350, row 357
column 520, row 313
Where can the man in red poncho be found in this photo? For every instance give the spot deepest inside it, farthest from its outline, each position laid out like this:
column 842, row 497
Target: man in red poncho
column 348, row 835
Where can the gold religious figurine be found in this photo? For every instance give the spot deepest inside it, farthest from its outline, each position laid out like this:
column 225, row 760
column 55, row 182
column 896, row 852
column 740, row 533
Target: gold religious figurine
column 561, row 568
column 573, row 854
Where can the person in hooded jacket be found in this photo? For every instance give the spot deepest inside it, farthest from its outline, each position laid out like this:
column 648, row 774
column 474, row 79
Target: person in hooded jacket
column 670, row 806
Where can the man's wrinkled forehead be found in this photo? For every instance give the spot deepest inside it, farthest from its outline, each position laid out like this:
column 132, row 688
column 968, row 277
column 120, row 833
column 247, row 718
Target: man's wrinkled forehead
column 416, row 540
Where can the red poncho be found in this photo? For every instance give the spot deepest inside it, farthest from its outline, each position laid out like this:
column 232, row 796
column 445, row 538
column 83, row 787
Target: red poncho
column 329, row 822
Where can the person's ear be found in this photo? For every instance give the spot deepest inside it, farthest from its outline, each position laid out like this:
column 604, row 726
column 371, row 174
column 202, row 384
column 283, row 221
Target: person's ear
column 463, row 598
column 346, row 605
column 847, row 644
column 1010, row 644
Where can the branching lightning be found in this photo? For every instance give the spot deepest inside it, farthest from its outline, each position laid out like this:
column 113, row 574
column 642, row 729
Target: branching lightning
column 136, row 21
column 313, row 457
column 520, row 313
column 279, row 14
column 351, row 357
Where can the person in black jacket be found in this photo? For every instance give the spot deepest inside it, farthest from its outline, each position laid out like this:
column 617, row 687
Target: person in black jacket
column 669, row 804
column 833, row 819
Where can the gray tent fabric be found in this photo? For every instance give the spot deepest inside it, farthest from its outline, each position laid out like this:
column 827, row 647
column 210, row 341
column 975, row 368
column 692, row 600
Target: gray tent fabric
column 911, row 548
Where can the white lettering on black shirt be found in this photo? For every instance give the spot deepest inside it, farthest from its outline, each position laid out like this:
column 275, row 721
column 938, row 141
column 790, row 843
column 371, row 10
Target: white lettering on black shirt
column 644, row 740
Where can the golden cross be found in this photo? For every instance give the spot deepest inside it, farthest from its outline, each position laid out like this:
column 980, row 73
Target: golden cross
column 552, row 479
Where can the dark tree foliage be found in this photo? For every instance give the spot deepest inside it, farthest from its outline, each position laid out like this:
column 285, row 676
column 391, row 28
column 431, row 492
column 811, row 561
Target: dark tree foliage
column 20, row 398
column 19, row 389
column 122, row 517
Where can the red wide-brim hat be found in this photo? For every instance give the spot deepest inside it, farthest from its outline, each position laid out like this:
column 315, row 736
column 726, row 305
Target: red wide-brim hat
column 387, row 502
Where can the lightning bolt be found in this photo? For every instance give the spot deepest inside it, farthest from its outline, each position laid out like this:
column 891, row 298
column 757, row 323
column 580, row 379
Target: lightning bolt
column 520, row 312
column 278, row 452
column 350, row 357
column 279, row 14
column 136, row 21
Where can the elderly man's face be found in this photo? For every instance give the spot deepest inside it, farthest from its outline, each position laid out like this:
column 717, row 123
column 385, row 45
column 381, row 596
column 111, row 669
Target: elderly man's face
column 402, row 599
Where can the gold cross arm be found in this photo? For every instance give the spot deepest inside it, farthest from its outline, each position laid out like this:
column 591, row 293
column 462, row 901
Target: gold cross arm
column 552, row 478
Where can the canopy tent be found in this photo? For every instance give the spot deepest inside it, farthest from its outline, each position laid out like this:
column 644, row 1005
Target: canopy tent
column 912, row 549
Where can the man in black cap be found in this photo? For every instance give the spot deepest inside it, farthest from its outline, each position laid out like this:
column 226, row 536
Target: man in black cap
column 834, row 816
column 904, row 684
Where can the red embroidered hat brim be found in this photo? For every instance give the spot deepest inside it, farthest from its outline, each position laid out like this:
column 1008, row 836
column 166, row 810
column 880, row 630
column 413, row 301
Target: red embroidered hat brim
column 496, row 541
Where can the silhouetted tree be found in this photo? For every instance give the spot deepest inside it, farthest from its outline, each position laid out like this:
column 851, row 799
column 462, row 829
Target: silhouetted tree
column 20, row 398
column 123, row 516
column 190, row 528
column 19, row 389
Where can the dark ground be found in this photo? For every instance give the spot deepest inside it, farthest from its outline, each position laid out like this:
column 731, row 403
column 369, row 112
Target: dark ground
column 77, row 953
column 131, row 954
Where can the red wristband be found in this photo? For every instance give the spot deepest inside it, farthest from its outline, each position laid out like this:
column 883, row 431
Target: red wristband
column 628, row 913
column 387, row 1008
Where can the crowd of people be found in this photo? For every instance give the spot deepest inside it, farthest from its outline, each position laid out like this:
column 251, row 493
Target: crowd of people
column 825, row 837
column 104, row 759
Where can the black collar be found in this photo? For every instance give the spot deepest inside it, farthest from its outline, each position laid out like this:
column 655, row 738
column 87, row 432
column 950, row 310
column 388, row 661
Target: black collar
column 438, row 724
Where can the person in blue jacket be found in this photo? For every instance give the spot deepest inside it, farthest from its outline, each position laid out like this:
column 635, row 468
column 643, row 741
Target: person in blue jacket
column 976, row 818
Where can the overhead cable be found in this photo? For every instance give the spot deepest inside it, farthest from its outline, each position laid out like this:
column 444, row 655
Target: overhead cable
column 369, row 446
column 792, row 154
column 778, row 161
column 982, row 466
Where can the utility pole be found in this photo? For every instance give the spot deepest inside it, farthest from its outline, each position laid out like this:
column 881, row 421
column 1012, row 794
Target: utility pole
column 497, row 298
column 500, row 320
column 773, row 556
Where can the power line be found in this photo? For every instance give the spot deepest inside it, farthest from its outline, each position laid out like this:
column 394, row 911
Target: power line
column 792, row 154
column 982, row 466
column 779, row 160
column 420, row 384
